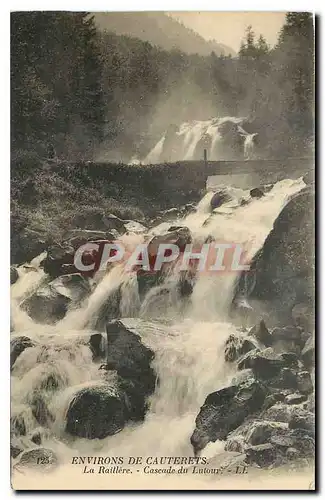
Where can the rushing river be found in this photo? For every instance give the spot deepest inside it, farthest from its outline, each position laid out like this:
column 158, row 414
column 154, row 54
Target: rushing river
column 188, row 342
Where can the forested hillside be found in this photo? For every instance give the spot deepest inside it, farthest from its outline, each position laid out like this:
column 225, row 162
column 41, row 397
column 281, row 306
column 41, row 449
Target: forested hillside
column 77, row 92
column 159, row 29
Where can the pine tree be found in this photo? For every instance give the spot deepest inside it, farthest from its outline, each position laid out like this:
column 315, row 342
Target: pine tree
column 295, row 53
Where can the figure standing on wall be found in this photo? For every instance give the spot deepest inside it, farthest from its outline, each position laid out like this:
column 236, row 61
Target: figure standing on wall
column 50, row 151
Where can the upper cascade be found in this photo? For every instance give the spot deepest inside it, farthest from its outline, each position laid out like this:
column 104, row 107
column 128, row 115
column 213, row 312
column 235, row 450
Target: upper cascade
column 223, row 138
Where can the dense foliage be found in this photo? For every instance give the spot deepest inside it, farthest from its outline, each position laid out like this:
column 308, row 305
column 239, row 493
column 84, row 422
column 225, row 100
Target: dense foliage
column 79, row 93
column 56, row 97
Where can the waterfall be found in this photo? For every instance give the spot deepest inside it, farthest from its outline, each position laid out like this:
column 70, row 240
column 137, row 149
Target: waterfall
column 155, row 153
column 188, row 343
column 224, row 138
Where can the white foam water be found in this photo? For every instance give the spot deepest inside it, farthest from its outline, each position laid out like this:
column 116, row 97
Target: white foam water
column 188, row 344
column 188, row 135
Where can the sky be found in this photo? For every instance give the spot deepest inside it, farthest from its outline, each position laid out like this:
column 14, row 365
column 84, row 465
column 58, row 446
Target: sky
column 229, row 27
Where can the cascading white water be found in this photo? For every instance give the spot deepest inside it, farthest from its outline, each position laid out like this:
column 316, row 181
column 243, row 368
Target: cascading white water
column 185, row 140
column 188, row 346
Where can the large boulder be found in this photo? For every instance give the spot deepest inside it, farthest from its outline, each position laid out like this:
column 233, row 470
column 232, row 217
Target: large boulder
column 50, row 303
column 97, row 346
column 59, row 256
column 304, row 382
column 97, row 220
column 96, row 412
column 78, row 237
column 219, row 198
column 104, row 409
column 254, row 432
column 236, row 346
column 15, row 448
column 261, row 454
column 280, row 412
column 27, row 244
column 303, row 316
column 17, row 346
column 226, row 409
column 261, row 333
column 297, row 439
column 282, row 273
column 131, row 359
column 302, row 419
column 256, row 192
column 127, row 354
column 265, row 364
column 287, row 339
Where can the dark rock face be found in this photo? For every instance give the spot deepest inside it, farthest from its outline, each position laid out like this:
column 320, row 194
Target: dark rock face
column 219, row 198
column 103, row 410
column 58, row 256
column 97, row 220
column 233, row 348
column 303, row 316
column 27, row 244
column 109, row 310
column 261, row 454
column 131, row 359
column 42, row 458
column 129, row 356
column 224, row 410
column 302, row 419
column 97, row 346
column 40, row 410
column 287, row 339
column 261, row 333
column 283, row 269
column 304, row 382
column 17, row 346
column 36, row 438
column 256, row 340
column 51, row 302
column 15, row 450
column 96, row 412
column 13, row 275
column 252, row 433
column 176, row 235
column 237, row 346
column 265, row 364
column 271, row 443
column 256, row 193
column 282, row 426
column 78, row 237
column 279, row 412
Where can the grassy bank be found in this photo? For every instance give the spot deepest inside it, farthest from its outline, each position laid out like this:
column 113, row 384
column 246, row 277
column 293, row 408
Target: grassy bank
column 47, row 198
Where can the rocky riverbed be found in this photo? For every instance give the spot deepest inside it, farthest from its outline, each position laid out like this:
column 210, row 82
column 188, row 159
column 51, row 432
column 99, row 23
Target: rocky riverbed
column 80, row 372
